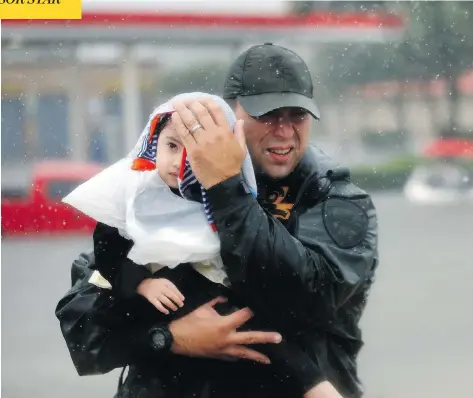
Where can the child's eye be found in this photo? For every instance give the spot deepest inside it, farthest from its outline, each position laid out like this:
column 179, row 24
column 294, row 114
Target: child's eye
column 172, row 145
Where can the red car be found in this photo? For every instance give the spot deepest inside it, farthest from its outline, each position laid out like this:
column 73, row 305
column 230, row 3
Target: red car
column 38, row 209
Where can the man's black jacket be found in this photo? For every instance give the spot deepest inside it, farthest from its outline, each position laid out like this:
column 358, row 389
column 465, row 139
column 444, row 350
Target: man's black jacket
column 310, row 246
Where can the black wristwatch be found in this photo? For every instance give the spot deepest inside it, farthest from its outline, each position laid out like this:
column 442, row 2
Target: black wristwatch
column 161, row 338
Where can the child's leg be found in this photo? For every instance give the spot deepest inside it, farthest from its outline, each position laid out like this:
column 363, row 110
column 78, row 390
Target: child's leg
column 289, row 359
column 323, row 390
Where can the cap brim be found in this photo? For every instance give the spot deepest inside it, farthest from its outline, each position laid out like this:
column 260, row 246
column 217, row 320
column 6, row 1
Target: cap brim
column 258, row 105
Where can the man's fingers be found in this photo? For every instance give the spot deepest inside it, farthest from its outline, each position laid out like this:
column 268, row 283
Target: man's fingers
column 246, row 353
column 240, row 134
column 216, row 112
column 226, row 358
column 201, row 115
column 238, row 318
column 216, row 300
column 186, row 137
column 187, row 116
column 255, row 337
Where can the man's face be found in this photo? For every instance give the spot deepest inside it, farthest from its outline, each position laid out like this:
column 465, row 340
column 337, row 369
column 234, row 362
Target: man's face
column 169, row 155
column 277, row 140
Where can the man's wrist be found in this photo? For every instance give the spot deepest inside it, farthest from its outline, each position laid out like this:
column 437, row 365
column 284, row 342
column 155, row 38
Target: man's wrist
column 161, row 338
column 225, row 193
column 216, row 181
column 176, row 347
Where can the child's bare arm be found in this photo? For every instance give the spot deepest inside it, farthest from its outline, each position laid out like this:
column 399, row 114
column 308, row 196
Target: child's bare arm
column 162, row 293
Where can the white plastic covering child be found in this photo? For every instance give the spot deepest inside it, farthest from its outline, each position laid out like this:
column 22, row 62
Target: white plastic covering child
column 166, row 229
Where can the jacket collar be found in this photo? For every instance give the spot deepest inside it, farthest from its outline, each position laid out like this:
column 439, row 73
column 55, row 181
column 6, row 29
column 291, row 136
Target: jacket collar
column 314, row 162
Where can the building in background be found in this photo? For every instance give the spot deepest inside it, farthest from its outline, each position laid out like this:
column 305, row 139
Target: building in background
column 83, row 89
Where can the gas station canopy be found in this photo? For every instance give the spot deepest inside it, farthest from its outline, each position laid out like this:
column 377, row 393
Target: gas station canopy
column 132, row 26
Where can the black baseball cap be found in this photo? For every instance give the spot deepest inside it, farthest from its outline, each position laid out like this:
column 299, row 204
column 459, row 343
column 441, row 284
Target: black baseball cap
column 267, row 77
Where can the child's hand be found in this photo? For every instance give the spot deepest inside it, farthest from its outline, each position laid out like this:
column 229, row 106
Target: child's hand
column 161, row 293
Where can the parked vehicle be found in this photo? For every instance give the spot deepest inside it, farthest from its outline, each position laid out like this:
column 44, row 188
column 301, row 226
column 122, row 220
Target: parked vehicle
column 446, row 176
column 36, row 208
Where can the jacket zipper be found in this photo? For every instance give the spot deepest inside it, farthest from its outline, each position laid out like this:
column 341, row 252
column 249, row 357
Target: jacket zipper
column 296, row 203
column 306, row 184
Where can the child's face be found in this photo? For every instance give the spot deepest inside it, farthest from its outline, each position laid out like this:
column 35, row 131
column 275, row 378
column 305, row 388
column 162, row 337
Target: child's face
column 169, row 155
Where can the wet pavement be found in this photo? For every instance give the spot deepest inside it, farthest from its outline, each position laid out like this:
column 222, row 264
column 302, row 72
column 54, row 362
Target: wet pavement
column 418, row 325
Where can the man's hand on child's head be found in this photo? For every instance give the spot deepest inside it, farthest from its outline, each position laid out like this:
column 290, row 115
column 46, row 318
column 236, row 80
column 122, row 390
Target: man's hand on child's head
column 162, row 293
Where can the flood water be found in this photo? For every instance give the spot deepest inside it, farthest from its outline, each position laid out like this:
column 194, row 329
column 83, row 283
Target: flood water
column 418, row 326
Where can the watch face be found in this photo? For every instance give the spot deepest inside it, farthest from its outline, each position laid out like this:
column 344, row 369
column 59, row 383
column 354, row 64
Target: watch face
column 159, row 340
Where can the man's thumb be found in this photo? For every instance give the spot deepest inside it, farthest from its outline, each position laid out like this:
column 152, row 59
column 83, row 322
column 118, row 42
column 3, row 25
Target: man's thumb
column 240, row 134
